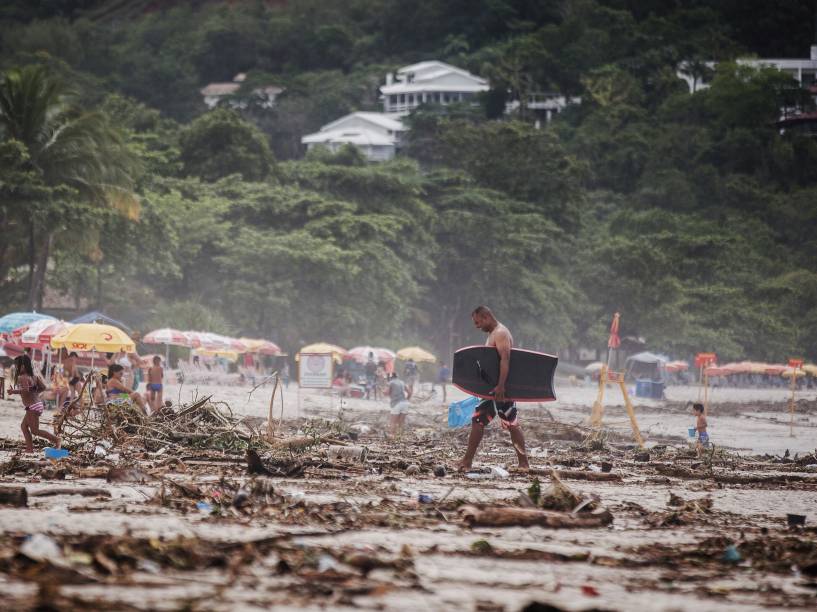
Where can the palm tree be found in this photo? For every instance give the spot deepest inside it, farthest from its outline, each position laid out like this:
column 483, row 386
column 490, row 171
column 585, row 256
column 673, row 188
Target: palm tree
column 78, row 154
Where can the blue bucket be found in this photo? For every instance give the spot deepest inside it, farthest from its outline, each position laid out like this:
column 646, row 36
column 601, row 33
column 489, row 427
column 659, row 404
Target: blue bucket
column 691, row 431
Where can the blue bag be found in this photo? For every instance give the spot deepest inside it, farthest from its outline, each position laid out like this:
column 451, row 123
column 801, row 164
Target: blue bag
column 460, row 413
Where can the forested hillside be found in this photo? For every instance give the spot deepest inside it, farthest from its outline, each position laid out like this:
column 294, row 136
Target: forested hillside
column 691, row 214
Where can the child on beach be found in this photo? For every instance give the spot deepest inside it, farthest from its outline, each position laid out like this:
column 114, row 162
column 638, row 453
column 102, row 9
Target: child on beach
column 700, row 427
column 156, row 375
column 29, row 386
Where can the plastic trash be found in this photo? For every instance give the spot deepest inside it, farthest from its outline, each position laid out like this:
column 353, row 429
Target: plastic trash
column 55, row 453
column 500, row 473
column 425, row 498
column 731, row 554
column 296, row 496
column 479, row 476
column 326, row 563
column 350, row 453
column 40, row 547
column 794, row 520
column 439, row 471
column 99, row 451
column 203, row 506
column 460, row 413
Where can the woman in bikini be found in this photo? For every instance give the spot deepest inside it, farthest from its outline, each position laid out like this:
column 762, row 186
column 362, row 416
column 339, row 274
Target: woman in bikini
column 117, row 391
column 29, row 386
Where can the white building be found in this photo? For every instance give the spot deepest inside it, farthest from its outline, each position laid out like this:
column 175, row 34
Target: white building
column 804, row 71
column 377, row 135
column 544, row 105
column 429, row 82
column 214, row 93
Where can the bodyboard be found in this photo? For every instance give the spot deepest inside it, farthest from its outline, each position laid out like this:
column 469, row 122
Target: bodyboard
column 530, row 379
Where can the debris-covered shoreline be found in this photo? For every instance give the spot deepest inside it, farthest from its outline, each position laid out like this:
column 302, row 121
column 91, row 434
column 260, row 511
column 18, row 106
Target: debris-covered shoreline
column 162, row 520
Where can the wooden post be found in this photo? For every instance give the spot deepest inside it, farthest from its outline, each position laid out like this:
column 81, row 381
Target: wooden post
column 270, row 427
column 598, row 407
column 706, row 393
column 630, row 411
column 791, row 402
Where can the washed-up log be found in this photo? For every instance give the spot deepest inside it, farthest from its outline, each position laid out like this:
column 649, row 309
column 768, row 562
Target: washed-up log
column 572, row 474
column 679, row 472
column 13, row 496
column 90, row 472
column 84, row 491
column 501, row 516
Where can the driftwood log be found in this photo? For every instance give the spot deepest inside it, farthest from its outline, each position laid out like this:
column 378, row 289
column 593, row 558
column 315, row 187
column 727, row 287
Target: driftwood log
column 501, row 516
column 84, row 491
column 13, row 496
column 572, row 474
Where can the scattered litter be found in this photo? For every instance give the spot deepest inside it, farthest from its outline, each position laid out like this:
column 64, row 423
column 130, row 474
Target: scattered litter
column 731, row 554
column 349, row 453
column 204, row 507
column 412, row 470
column 55, row 453
column 795, row 520
column 439, row 471
column 40, row 547
column 425, row 498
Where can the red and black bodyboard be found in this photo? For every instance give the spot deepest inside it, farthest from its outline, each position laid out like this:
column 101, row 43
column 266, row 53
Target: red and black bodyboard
column 530, row 379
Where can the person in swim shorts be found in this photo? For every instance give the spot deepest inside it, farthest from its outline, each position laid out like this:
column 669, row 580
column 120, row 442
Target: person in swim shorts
column 29, row 386
column 399, row 395
column 500, row 337
column 156, row 375
column 700, row 427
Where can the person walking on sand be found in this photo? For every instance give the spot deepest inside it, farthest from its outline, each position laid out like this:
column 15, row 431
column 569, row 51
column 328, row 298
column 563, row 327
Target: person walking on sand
column 399, row 396
column 500, row 337
column 29, row 386
column 156, row 375
column 700, row 427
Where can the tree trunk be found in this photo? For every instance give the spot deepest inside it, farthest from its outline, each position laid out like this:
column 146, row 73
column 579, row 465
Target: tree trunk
column 40, row 268
column 32, row 254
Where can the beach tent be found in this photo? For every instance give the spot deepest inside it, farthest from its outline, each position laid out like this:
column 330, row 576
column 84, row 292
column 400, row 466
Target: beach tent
column 646, row 365
column 417, row 354
column 15, row 320
column 97, row 317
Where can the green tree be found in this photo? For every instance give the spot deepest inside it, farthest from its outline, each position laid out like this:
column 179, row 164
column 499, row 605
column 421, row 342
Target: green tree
column 77, row 154
column 220, row 143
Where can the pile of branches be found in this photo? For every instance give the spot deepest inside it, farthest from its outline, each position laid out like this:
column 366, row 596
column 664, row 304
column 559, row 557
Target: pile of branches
column 204, row 424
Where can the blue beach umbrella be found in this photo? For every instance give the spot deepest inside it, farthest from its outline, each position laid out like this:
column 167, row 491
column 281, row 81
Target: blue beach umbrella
column 13, row 320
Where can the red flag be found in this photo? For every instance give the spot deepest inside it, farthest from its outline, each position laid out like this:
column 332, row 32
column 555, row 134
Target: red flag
column 614, row 341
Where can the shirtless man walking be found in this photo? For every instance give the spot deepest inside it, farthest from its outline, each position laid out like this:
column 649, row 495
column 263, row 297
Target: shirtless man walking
column 500, row 337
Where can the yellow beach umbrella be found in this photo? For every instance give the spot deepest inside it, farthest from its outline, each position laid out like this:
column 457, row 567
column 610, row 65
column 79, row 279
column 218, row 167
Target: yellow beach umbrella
column 337, row 352
column 94, row 337
column 789, row 372
column 417, row 354
column 810, row 368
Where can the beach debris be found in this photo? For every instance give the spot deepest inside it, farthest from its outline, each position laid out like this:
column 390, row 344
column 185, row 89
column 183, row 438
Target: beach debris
column 40, row 547
column 557, row 496
column 127, row 474
column 590, row 591
column 643, row 456
column 13, row 496
column 348, row 453
column 439, row 471
column 282, row 468
column 499, row 473
column 572, row 474
column 55, row 453
column 503, row 516
column 425, row 498
column 606, row 467
column 535, row 492
column 83, row 491
column 412, row 470
column 795, row 520
column 731, row 554
column 204, row 507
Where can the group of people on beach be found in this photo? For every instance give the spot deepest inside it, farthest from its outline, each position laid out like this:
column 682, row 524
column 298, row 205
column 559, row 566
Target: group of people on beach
column 67, row 385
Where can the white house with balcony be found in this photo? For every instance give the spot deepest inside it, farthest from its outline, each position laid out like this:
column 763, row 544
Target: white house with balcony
column 429, row 82
column 377, row 135
column 216, row 93
column 804, row 70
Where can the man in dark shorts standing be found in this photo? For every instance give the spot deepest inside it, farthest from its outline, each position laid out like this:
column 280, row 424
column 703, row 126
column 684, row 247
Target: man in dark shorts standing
column 500, row 337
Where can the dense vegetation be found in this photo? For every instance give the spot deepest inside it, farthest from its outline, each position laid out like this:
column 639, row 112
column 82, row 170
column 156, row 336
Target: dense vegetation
column 690, row 213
